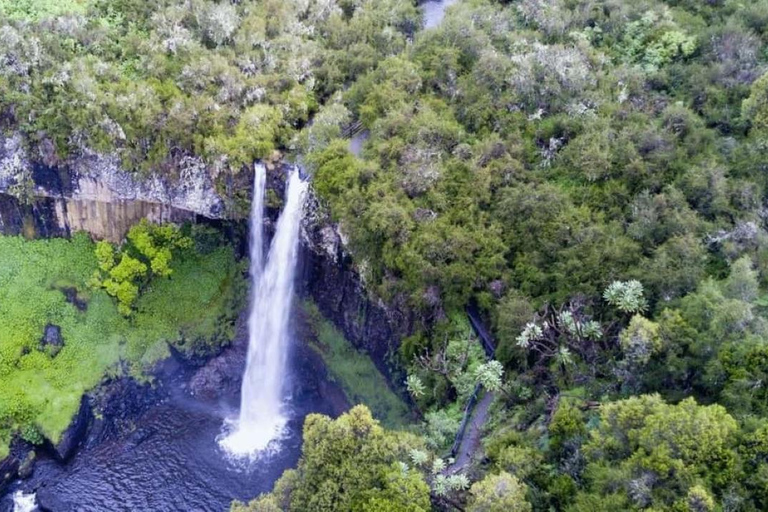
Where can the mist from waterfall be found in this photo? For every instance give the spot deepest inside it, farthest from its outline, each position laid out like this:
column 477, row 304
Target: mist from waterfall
column 24, row 502
column 261, row 417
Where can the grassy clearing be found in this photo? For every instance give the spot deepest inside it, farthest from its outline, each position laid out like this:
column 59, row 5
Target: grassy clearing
column 355, row 372
column 39, row 394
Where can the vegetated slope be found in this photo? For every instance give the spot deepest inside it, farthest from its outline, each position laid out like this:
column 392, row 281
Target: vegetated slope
column 40, row 388
column 592, row 174
column 355, row 372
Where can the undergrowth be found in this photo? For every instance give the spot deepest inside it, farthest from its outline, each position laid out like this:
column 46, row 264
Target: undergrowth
column 190, row 310
column 355, row 372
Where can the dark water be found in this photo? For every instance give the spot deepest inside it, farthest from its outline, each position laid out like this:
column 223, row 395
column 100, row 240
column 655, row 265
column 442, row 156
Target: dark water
column 170, row 462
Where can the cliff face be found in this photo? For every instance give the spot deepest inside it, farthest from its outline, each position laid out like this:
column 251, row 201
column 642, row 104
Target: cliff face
column 329, row 277
column 90, row 192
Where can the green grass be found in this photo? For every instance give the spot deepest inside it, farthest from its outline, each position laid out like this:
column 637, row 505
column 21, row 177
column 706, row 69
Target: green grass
column 191, row 309
column 355, row 372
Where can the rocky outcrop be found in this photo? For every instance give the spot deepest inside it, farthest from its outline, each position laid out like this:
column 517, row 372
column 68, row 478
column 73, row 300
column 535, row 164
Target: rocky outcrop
column 15, row 463
column 222, row 375
column 118, row 403
column 75, row 434
column 91, row 192
column 52, row 341
column 332, row 281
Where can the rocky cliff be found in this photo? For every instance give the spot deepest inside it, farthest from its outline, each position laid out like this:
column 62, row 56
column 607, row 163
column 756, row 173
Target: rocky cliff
column 330, row 278
column 91, row 192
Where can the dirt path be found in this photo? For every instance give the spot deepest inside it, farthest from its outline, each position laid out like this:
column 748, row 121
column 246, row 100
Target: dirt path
column 472, row 437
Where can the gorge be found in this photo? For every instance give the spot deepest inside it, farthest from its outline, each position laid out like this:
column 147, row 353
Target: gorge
column 155, row 448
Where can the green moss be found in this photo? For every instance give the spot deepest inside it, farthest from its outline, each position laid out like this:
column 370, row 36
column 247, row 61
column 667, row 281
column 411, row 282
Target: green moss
column 188, row 310
column 355, row 372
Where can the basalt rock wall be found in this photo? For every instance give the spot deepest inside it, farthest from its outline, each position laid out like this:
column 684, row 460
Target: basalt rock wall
column 330, row 278
column 91, row 192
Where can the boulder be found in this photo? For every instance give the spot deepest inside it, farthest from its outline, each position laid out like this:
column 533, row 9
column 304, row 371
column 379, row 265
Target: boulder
column 48, row 501
column 9, row 470
column 75, row 433
column 18, row 463
column 52, row 341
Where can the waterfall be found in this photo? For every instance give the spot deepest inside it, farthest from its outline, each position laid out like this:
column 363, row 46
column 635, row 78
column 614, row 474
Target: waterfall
column 261, row 417
column 24, row 502
column 257, row 228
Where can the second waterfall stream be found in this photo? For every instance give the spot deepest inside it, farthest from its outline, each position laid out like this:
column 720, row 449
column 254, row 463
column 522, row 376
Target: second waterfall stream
column 262, row 418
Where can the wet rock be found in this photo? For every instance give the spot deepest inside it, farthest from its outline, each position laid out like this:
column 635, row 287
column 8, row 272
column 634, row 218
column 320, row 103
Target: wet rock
column 48, row 501
column 35, row 219
column 75, row 433
column 9, row 470
column 118, row 404
column 52, row 341
column 27, row 465
column 15, row 463
column 223, row 374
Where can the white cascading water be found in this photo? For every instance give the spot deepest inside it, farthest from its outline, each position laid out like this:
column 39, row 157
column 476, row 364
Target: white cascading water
column 257, row 228
column 261, row 417
column 24, row 502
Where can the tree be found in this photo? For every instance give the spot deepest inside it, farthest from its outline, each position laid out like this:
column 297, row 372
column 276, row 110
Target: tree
column 755, row 108
column 499, row 493
column 147, row 253
column 640, row 341
column 643, row 439
column 742, row 283
column 349, row 464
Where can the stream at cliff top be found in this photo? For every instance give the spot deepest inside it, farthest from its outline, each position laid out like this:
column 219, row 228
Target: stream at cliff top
column 434, row 11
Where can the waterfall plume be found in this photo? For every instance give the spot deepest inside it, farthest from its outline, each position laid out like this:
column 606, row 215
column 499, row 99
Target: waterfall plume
column 262, row 418
column 24, row 502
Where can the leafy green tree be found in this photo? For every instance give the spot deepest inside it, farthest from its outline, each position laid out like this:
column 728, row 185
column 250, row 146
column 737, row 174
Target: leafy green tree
column 640, row 340
column 673, row 445
column 148, row 253
column 350, row 463
column 755, row 107
column 499, row 493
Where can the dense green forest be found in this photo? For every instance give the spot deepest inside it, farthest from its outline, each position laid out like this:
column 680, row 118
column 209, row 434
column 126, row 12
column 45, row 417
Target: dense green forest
column 590, row 173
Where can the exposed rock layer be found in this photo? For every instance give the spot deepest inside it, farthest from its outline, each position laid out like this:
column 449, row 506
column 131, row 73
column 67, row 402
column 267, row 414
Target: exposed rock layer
column 91, row 192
